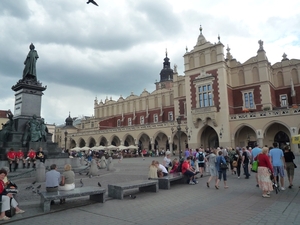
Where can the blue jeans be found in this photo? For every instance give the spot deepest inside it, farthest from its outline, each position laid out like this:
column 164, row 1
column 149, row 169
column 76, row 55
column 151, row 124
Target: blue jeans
column 246, row 169
column 222, row 172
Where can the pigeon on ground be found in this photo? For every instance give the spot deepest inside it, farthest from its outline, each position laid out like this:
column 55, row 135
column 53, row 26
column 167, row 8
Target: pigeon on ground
column 93, row 2
column 80, row 173
column 33, row 182
column 38, row 187
column 99, row 184
column 29, row 187
column 81, row 182
column 132, row 196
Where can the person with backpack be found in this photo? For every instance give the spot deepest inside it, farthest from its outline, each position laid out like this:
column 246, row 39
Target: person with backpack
column 200, row 156
column 245, row 162
column 222, row 169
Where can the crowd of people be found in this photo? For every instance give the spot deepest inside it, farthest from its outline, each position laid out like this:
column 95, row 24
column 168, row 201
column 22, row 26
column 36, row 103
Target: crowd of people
column 268, row 163
column 15, row 158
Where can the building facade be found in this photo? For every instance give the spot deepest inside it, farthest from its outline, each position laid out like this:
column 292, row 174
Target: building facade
column 220, row 102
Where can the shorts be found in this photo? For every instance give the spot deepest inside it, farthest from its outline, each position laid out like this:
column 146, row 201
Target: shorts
column 278, row 170
column 201, row 164
column 213, row 171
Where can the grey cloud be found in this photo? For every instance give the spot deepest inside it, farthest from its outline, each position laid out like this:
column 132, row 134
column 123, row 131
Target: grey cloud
column 17, row 9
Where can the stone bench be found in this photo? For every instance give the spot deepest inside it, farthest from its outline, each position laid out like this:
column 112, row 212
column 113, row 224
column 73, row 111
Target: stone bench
column 165, row 182
column 95, row 193
column 117, row 190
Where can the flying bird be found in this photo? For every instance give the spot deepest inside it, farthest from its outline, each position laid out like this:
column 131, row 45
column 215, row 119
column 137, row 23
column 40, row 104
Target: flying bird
column 99, row 184
column 92, row 1
column 81, row 182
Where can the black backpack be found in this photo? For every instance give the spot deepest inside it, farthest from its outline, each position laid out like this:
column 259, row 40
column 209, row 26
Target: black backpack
column 201, row 157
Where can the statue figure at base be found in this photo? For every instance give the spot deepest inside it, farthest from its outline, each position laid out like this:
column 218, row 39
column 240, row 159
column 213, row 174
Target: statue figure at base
column 30, row 64
column 44, row 131
column 7, row 128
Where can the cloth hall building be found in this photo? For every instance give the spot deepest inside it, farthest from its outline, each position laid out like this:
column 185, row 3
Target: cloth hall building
column 220, row 101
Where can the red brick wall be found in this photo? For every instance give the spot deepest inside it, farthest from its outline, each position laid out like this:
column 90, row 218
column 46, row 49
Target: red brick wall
column 238, row 98
column 3, row 113
column 230, row 100
column 113, row 121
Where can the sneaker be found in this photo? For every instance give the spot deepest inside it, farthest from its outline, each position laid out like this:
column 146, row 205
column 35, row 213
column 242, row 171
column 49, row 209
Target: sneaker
column 266, row 196
column 282, row 188
column 238, row 177
column 195, row 181
column 192, row 183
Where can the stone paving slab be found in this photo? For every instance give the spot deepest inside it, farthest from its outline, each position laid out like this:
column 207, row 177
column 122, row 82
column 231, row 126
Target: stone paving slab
column 183, row 204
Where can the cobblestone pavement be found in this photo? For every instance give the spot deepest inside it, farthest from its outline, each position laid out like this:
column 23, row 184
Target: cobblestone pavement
column 242, row 203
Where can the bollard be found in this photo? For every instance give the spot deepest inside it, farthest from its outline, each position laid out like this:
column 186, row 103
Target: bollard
column 82, row 161
column 109, row 163
column 40, row 173
column 103, row 162
column 94, row 168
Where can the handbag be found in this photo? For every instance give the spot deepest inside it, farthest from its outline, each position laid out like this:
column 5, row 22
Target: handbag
column 223, row 166
column 254, row 166
column 234, row 163
column 11, row 212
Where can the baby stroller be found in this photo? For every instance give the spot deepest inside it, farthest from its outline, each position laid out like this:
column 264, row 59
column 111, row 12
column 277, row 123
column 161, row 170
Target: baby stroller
column 274, row 183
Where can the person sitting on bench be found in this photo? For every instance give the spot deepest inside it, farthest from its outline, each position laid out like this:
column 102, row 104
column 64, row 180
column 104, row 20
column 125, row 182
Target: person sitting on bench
column 7, row 198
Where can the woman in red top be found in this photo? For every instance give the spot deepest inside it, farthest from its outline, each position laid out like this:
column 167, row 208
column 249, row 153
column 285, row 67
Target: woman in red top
column 6, row 198
column 263, row 172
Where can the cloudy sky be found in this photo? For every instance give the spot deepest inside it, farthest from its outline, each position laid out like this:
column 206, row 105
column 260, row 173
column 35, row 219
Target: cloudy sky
column 118, row 48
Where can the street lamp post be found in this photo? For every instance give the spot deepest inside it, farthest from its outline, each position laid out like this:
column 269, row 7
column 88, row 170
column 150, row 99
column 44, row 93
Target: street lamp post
column 179, row 134
column 66, row 133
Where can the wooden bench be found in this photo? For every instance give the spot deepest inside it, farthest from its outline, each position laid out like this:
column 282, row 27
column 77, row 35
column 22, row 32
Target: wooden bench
column 95, row 193
column 117, row 190
column 165, row 182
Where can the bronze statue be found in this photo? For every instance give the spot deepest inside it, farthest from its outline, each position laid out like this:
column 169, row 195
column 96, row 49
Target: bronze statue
column 44, row 131
column 7, row 128
column 30, row 63
column 35, row 131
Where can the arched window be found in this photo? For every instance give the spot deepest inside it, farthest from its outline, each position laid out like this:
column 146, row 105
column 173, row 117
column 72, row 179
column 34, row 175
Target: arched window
column 171, row 99
column 213, row 56
column 295, row 76
column 280, row 81
column 241, row 77
column 191, row 62
column 155, row 102
column 179, row 90
column 202, row 59
column 255, row 74
column 163, row 100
